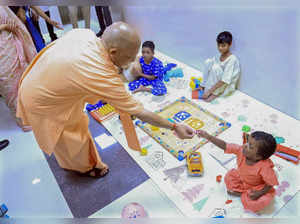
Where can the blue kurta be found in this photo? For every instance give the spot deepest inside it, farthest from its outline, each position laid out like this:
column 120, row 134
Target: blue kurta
column 156, row 69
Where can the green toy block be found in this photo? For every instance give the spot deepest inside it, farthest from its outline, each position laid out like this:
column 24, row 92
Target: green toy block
column 246, row 128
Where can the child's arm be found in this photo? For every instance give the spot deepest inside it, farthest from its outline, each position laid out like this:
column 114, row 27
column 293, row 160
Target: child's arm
column 40, row 12
column 254, row 195
column 137, row 72
column 216, row 141
column 218, row 85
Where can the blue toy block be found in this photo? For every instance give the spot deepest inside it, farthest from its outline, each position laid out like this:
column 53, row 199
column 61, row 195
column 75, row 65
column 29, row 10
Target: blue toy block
column 99, row 104
column 168, row 67
column 166, row 78
column 176, row 73
column 219, row 217
column 180, row 158
column 180, row 155
column 228, row 124
column 90, row 107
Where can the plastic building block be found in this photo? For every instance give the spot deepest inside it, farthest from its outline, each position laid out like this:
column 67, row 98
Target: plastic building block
column 246, row 128
column 154, row 128
column 144, row 152
column 168, row 67
column 176, row 73
column 197, row 94
column 100, row 104
column 194, row 163
column 228, row 202
column 180, row 155
column 219, row 178
column 90, row 107
column 219, row 217
column 195, row 82
column 279, row 140
column 228, row 124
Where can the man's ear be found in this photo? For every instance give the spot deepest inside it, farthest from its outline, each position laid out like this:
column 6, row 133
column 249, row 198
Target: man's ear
column 112, row 51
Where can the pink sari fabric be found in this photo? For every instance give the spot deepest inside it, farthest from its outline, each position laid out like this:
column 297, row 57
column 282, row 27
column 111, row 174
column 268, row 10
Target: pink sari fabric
column 16, row 52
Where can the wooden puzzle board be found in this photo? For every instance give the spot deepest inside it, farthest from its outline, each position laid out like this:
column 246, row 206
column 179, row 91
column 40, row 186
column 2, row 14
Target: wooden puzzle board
column 186, row 112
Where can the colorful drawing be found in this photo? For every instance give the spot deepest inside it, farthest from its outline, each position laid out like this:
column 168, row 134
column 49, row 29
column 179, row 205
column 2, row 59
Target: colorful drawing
column 199, row 205
column 282, row 187
column 192, row 193
column 134, row 210
column 186, row 112
column 174, row 173
column 156, row 160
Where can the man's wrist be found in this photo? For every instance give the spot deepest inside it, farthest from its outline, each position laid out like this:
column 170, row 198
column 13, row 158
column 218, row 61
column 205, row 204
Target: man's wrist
column 174, row 125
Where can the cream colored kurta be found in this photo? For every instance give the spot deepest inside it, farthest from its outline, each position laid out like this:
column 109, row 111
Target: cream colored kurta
column 227, row 71
column 53, row 90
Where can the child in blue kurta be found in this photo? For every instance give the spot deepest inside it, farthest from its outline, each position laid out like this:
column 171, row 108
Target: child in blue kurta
column 150, row 72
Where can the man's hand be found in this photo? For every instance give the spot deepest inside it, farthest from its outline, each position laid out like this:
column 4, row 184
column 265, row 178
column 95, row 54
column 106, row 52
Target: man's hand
column 184, row 131
column 254, row 195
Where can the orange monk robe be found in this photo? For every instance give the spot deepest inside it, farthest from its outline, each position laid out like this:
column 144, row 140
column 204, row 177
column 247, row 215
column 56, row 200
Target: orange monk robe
column 69, row 72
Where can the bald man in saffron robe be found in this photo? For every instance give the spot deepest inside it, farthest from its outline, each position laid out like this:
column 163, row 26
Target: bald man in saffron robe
column 75, row 69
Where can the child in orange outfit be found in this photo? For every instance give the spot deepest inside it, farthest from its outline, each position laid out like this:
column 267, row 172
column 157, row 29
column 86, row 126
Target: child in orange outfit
column 254, row 177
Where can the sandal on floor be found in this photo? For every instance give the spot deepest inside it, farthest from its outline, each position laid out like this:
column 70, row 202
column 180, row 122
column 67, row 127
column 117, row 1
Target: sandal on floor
column 97, row 173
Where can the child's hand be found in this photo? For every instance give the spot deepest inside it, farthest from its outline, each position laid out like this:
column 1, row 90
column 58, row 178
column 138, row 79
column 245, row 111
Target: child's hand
column 206, row 95
column 201, row 133
column 254, row 195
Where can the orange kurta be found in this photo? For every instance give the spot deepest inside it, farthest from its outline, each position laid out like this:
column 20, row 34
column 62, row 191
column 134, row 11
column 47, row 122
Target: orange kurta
column 246, row 178
column 69, row 72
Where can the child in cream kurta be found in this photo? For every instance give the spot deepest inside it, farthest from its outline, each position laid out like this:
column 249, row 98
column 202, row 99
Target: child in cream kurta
column 221, row 72
column 227, row 71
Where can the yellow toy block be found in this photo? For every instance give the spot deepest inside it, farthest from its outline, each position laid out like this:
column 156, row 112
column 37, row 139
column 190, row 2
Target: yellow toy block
column 154, row 128
column 144, row 152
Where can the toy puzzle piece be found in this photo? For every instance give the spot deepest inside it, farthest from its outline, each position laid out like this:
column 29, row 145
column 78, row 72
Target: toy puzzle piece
column 182, row 115
column 195, row 123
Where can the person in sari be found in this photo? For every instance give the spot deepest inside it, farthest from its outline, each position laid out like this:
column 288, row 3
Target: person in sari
column 16, row 52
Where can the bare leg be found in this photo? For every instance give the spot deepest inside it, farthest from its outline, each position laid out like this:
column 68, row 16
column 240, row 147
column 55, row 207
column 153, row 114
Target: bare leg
column 142, row 89
column 87, row 16
column 210, row 98
column 73, row 15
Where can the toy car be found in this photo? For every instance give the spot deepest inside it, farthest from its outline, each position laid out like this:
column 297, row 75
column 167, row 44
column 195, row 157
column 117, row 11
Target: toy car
column 194, row 163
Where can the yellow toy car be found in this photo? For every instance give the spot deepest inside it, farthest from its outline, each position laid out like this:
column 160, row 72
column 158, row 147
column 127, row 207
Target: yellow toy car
column 194, row 163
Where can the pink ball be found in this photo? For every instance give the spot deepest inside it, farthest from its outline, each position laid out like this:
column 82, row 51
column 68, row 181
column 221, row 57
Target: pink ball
column 134, row 210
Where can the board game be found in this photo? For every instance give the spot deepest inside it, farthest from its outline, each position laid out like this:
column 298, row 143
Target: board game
column 186, row 112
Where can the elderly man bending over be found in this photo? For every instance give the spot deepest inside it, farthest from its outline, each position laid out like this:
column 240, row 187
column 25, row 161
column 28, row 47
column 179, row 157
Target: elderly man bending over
column 79, row 68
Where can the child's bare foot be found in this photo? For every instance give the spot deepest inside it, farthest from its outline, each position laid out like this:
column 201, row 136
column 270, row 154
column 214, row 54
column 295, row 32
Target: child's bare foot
column 210, row 98
column 234, row 193
column 141, row 89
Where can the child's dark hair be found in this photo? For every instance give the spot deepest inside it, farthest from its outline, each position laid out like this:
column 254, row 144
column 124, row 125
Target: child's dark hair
column 149, row 44
column 224, row 37
column 267, row 144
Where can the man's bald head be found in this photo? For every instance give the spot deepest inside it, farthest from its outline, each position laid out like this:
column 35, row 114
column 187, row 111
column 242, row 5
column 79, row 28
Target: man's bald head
column 122, row 42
